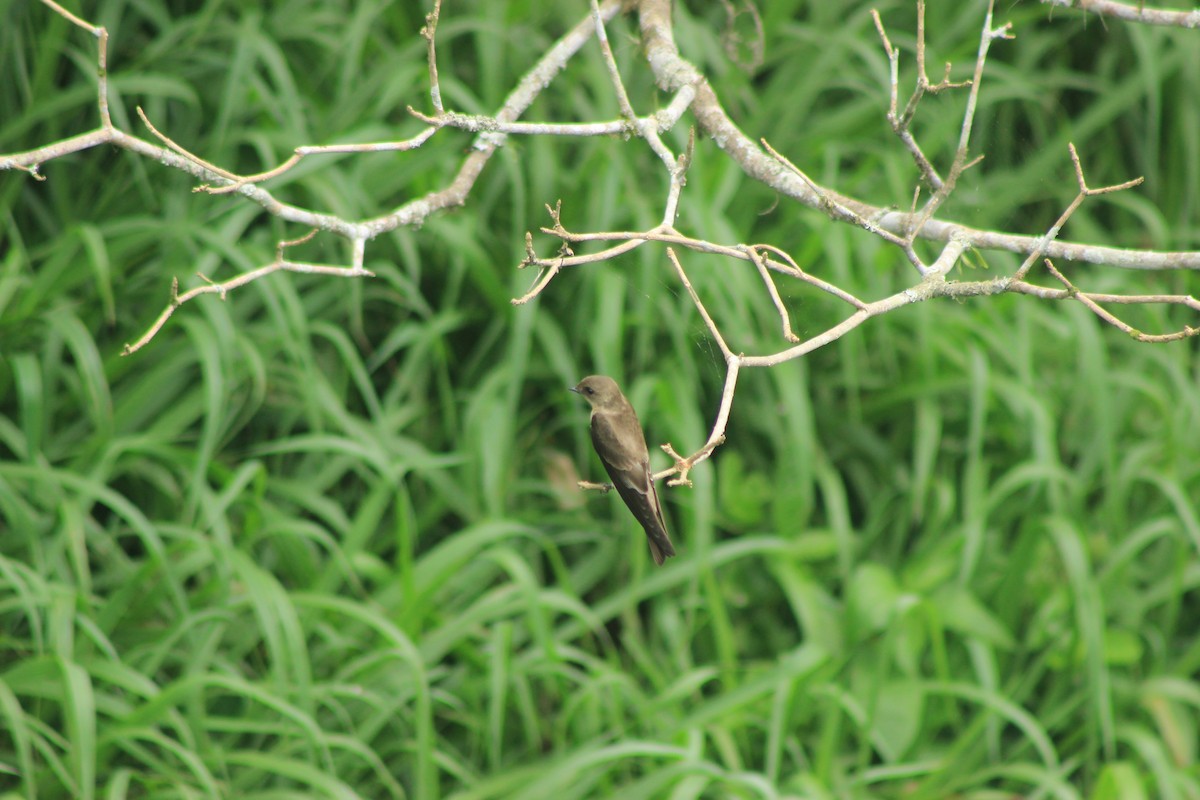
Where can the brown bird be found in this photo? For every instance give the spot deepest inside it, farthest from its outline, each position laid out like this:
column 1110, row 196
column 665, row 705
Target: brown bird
column 618, row 439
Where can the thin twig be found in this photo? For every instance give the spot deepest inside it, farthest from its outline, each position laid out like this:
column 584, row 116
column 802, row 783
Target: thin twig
column 776, row 300
column 1090, row 302
column 428, row 34
column 223, row 288
column 708, row 320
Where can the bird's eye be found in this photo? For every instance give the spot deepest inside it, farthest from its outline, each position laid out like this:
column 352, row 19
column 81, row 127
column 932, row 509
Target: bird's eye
column 590, row 390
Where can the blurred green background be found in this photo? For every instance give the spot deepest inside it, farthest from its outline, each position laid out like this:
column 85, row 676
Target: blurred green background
column 322, row 539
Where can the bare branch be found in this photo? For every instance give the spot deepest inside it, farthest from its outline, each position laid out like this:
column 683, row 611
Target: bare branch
column 832, row 205
column 688, row 91
column 901, row 122
column 961, row 164
column 774, row 292
column 195, row 159
column 427, row 33
column 673, row 72
column 1083, row 187
column 1189, row 20
column 1084, row 192
column 708, row 320
column 715, row 439
column 223, row 288
column 1090, row 301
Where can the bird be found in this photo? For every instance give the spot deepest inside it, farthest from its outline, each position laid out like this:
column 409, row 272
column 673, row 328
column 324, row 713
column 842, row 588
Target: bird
column 619, row 441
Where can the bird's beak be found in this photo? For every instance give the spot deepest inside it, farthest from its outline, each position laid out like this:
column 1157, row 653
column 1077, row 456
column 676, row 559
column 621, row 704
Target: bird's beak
column 574, row 389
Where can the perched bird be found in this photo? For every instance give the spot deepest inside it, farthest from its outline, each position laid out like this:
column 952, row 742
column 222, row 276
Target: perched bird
column 618, row 439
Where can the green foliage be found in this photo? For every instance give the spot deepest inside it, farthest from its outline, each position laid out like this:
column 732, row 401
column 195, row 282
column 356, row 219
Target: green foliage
column 322, row 539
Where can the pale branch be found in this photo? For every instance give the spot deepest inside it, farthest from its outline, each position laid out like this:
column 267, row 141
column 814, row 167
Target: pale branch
column 1093, row 299
column 298, row 155
column 795, row 271
column 901, row 122
column 1134, row 13
column 518, row 101
column 689, row 91
column 369, row 147
column 930, row 287
column 835, row 210
column 1090, row 302
column 221, row 289
column 666, row 235
column 1047, row 293
column 1084, row 192
column 482, row 123
column 546, row 274
column 776, row 300
column 672, row 71
column 179, row 149
column 1113, row 319
column 960, row 163
column 166, row 157
column 358, row 233
column 610, row 64
column 674, row 74
column 679, row 179
column 428, row 33
column 708, row 320
column 715, row 439
column 934, row 284
column 550, row 268
column 101, row 34
column 648, row 127
column 923, row 81
column 647, row 130
column 239, row 181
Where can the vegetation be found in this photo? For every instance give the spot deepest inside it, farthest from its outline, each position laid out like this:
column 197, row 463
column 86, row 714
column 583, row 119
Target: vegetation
column 323, row 539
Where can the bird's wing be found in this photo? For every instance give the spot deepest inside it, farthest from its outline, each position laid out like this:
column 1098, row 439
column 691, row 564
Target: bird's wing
column 624, row 447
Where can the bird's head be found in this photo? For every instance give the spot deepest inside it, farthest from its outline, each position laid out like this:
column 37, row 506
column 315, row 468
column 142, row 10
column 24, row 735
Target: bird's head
column 600, row 391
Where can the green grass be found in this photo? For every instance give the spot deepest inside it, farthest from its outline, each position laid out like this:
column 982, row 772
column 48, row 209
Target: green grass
column 322, row 539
